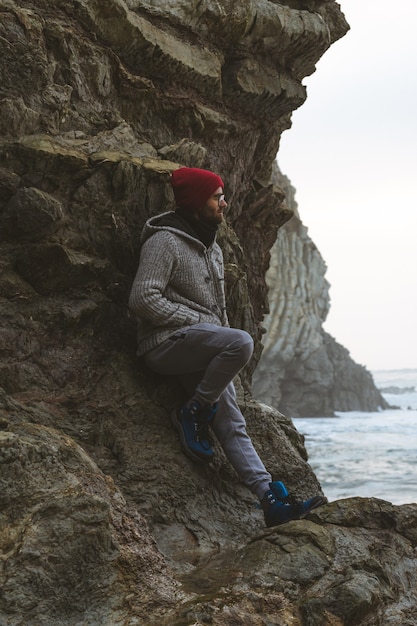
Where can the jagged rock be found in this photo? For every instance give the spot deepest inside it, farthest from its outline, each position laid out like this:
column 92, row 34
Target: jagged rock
column 50, row 268
column 69, row 538
column 303, row 370
column 393, row 389
column 100, row 101
column 31, row 214
column 343, row 565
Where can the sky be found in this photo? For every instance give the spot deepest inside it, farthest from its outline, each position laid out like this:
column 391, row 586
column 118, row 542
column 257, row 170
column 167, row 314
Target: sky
column 351, row 155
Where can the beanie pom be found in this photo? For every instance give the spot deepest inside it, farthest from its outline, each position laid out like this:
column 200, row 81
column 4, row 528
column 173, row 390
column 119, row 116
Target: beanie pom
column 193, row 187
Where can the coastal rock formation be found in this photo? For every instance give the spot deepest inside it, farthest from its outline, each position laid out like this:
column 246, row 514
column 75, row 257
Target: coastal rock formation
column 303, row 371
column 103, row 521
column 69, row 539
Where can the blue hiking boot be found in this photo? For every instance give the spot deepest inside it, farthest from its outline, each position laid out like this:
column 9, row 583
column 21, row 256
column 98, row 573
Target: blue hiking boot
column 279, row 507
column 192, row 422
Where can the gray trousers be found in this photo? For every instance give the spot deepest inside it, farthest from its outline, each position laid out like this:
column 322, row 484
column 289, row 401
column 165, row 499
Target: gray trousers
column 206, row 358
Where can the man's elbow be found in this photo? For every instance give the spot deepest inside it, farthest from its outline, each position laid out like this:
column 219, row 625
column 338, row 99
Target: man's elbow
column 135, row 303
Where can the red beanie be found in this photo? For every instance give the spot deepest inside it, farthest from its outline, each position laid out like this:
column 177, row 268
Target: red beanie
column 193, row 187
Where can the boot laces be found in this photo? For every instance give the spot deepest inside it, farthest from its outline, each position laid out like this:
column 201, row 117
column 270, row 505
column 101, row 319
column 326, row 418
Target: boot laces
column 201, row 431
column 288, row 499
column 291, row 499
column 202, row 416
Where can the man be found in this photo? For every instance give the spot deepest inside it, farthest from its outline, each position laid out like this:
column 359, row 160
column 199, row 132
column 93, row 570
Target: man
column 178, row 297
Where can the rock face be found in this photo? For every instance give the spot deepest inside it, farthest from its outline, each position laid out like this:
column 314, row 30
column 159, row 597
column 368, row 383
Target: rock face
column 103, row 521
column 303, row 371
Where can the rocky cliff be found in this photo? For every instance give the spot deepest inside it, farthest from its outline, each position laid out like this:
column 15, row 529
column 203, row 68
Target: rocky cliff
column 103, row 521
column 303, row 371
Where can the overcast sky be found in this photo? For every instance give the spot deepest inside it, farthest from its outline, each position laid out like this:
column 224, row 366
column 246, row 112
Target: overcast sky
column 351, row 155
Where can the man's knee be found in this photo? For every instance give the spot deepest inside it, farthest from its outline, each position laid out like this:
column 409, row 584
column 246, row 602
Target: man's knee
column 244, row 344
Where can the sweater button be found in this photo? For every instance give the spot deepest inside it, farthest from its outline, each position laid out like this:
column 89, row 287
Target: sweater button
column 207, row 279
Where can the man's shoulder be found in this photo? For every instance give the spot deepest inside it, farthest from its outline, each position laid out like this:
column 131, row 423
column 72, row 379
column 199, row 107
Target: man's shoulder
column 159, row 237
column 169, row 242
column 168, row 227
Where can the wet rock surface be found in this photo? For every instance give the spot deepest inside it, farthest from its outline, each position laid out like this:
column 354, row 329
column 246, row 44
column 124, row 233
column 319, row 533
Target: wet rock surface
column 103, row 521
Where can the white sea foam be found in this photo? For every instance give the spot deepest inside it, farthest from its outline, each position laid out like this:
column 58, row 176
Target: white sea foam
column 402, row 380
column 368, row 454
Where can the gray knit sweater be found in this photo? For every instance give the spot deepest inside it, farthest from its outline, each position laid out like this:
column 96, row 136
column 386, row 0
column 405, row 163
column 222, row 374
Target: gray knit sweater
column 179, row 283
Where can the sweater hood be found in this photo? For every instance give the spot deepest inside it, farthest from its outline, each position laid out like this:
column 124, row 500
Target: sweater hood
column 170, row 221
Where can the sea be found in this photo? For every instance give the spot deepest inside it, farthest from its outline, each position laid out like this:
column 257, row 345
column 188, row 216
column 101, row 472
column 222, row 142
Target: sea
column 369, row 454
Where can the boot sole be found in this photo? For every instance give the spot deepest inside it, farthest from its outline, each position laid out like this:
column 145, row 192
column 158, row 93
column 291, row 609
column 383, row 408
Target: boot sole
column 317, row 501
column 191, row 455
